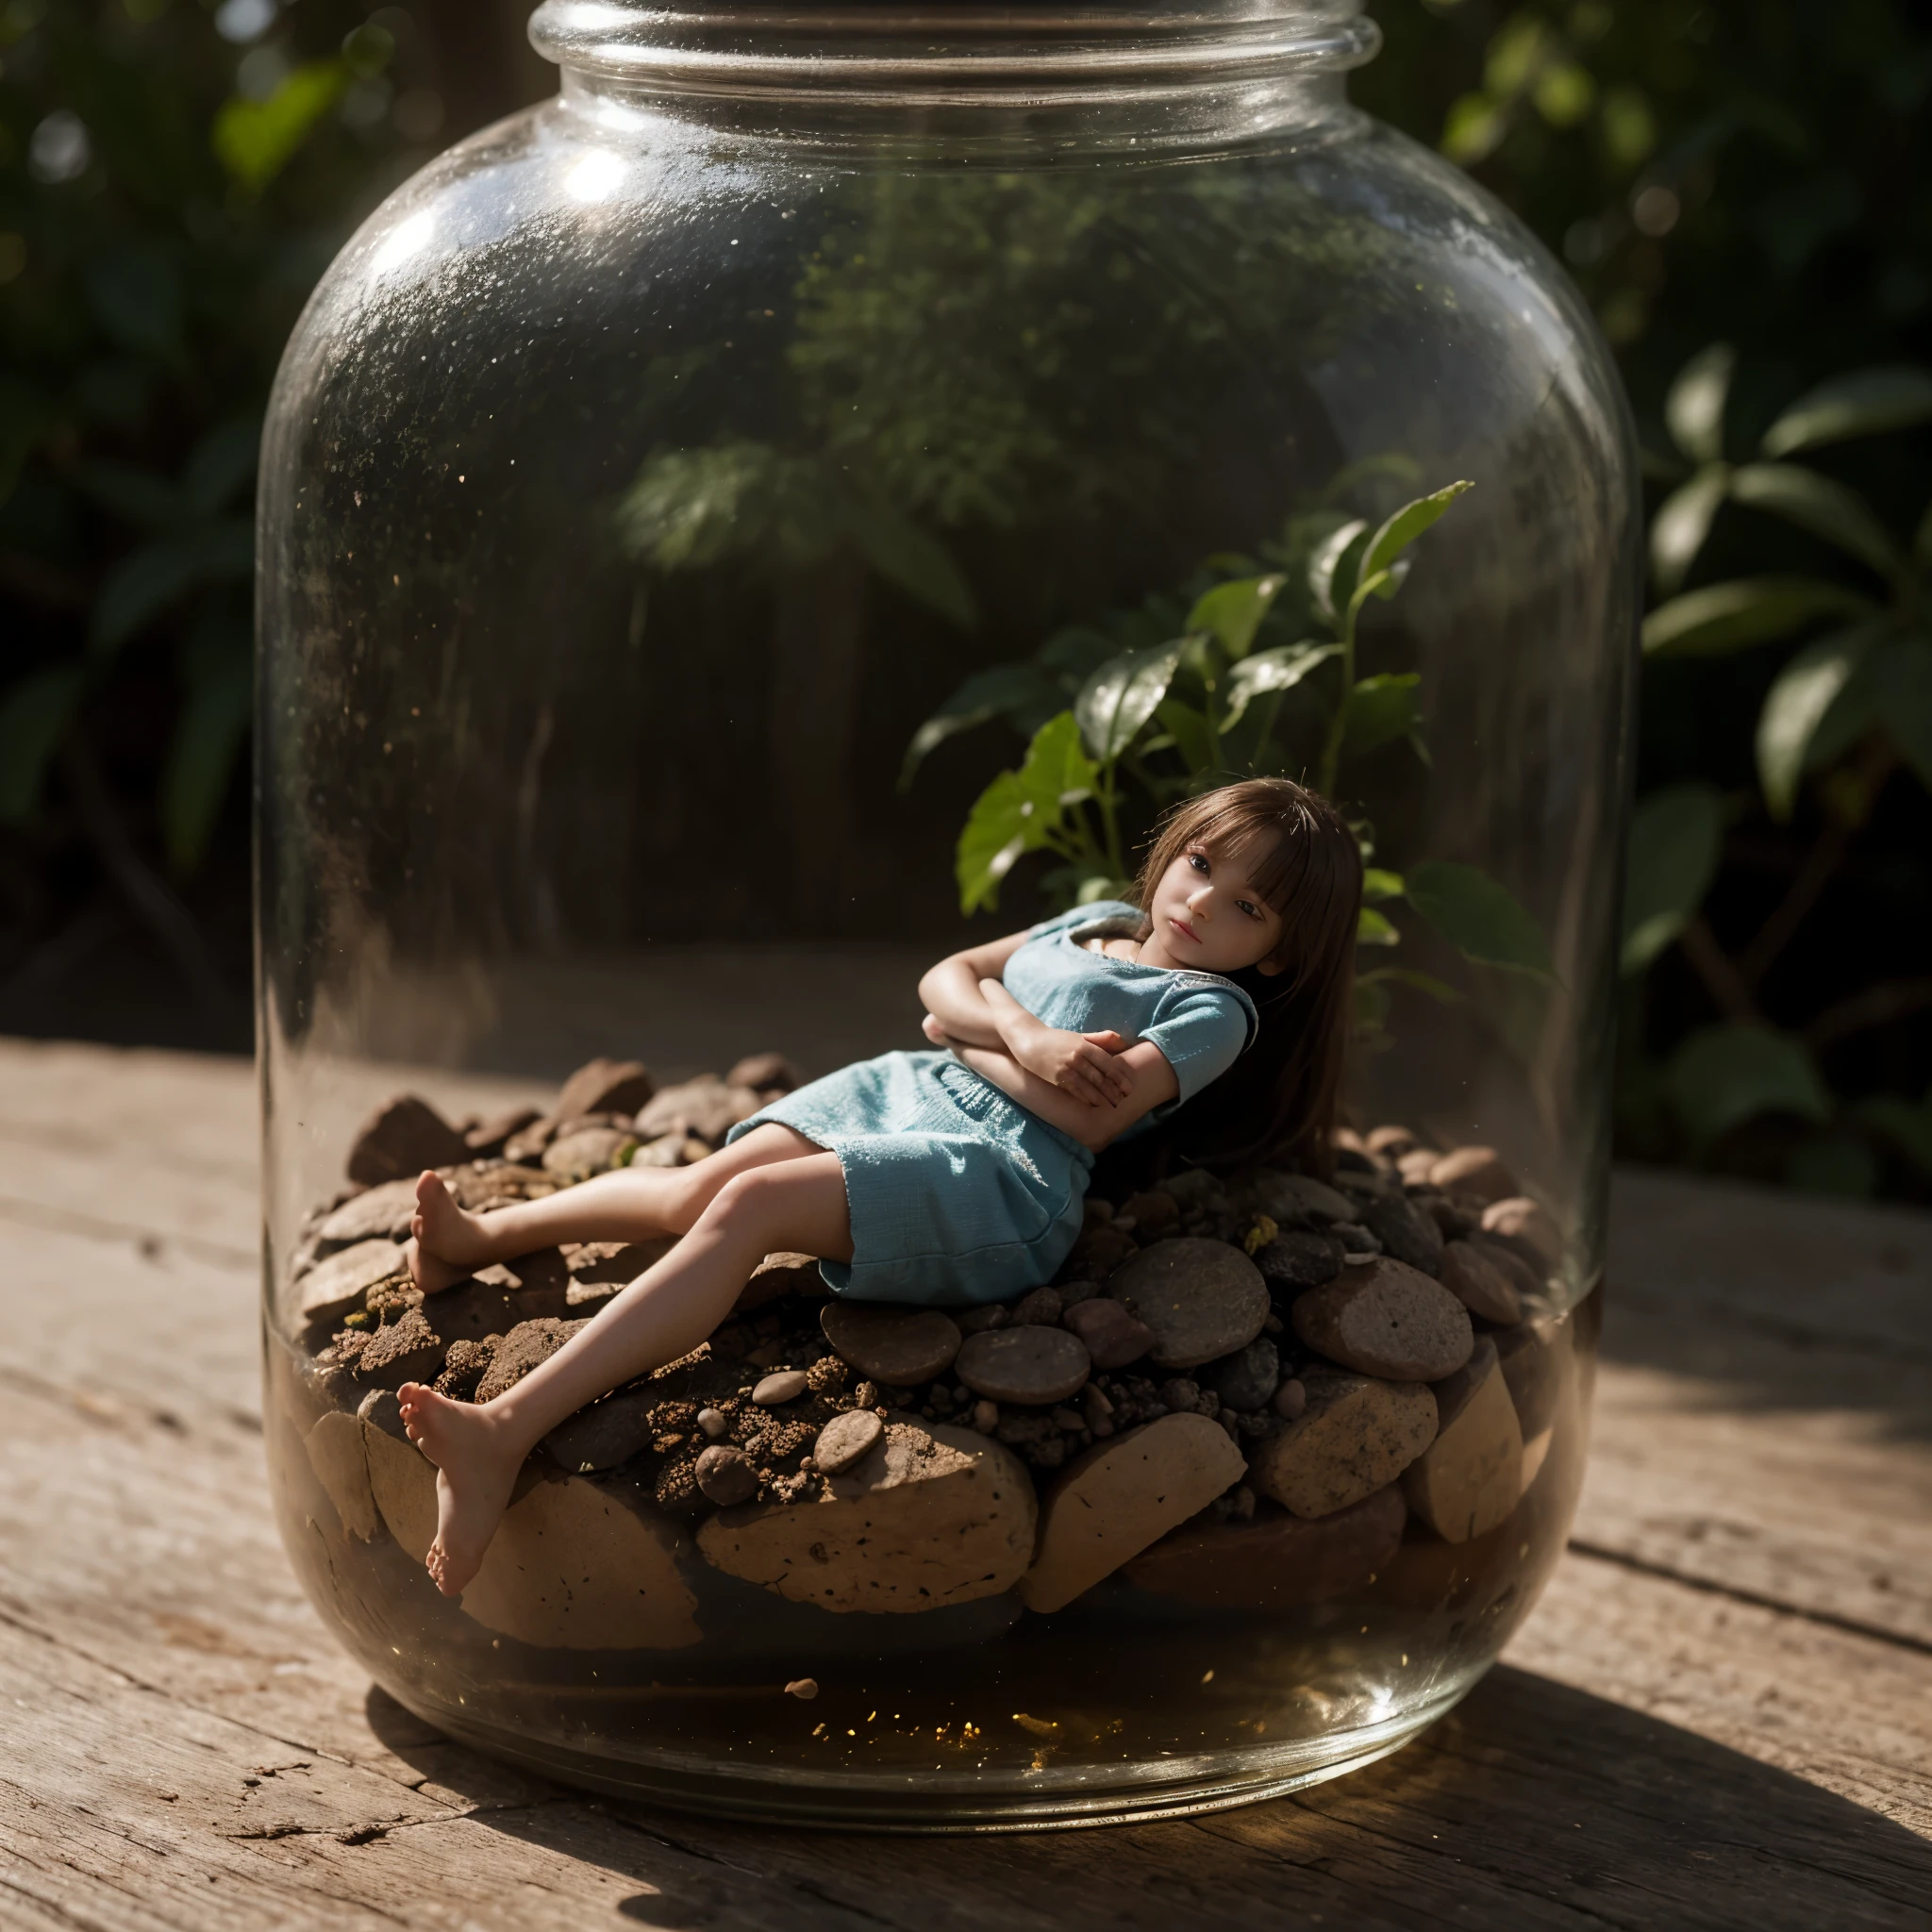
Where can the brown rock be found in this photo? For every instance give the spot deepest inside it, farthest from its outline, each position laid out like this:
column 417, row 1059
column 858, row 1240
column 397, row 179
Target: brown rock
column 1300, row 1259
column 405, row 1350
column 528, row 1144
column 335, row 1454
column 671, row 1150
column 490, row 1135
column 604, row 1435
column 1414, row 1165
column 1387, row 1320
column 381, row 1212
column 1536, row 1359
column 1245, row 1380
column 780, row 1275
column 1202, row 1298
column 483, row 1185
column 1040, row 1308
column 400, row 1139
column 707, row 1107
column 402, row 1480
column 1501, row 1252
column 1024, row 1365
column 1290, row 1399
column 1468, row 1480
column 928, row 1516
column 525, row 1347
column 1391, row 1143
column 1403, row 1229
column 765, row 1072
column 1479, row 1284
column 1112, row 1337
column 1275, row 1560
column 726, row 1475
column 1117, row 1498
column 1153, row 1213
column 1297, row 1200
column 774, row 1391
column 587, row 1151
column 977, row 1321
column 898, row 1346
column 1474, row 1171
column 1354, row 1436
column 1100, row 1249
column 844, row 1439
column 1455, row 1221
column 333, row 1288
column 599, row 1269
column 604, row 1085
column 1520, row 1219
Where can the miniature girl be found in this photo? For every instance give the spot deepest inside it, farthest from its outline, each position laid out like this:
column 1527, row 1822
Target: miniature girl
column 953, row 1177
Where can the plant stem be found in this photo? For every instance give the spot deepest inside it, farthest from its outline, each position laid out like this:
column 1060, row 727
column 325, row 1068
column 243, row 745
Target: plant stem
column 1109, row 798
column 1776, row 932
column 1720, row 976
column 1891, row 999
column 1330, row 769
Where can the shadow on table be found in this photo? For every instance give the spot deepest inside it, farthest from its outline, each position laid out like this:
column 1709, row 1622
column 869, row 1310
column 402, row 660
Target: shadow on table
column 1532, row 1804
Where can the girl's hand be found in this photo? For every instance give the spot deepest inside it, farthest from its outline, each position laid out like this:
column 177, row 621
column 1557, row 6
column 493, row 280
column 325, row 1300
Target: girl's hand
column 1074, row 1062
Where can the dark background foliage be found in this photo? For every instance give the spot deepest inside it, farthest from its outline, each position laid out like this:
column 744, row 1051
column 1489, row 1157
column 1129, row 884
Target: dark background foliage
column 174, row 174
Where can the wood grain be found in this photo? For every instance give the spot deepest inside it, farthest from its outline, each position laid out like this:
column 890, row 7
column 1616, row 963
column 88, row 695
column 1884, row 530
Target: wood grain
column 1719, row 1715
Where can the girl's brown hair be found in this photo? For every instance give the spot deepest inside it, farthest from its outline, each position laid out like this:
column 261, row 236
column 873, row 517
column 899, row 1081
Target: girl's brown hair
column 1280, row 1099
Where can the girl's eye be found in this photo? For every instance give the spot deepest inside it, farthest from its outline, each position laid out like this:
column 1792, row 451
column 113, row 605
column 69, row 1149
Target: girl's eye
column 1252, row 911
column 1198, row 860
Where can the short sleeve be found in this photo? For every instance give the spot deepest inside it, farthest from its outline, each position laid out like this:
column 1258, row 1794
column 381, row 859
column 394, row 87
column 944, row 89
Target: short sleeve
column 1101, row 913
column 1201, row 1035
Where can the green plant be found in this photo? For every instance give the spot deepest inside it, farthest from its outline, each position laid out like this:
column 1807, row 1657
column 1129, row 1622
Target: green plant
column 1164, row 702
column 1849, row 709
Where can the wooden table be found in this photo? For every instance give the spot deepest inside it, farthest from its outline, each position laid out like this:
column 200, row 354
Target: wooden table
column 1720, row 1715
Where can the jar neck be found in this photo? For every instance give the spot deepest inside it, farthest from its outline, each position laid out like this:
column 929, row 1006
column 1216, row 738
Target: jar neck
column 964, row 80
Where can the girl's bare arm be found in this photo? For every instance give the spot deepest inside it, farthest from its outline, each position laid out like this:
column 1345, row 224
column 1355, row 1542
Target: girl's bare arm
column 1150, row 1081
column 951, row 992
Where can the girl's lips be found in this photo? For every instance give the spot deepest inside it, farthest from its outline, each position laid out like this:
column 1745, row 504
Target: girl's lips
column 1186, row 931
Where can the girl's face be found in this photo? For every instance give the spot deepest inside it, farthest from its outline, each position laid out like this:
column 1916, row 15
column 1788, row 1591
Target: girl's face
column 1208, row 916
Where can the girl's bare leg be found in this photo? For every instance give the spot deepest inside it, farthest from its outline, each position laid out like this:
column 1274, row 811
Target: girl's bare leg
column 630, row 1205
column 798, row 1204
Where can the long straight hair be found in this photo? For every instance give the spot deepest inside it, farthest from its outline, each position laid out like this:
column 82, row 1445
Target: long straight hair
column 1280, row 1100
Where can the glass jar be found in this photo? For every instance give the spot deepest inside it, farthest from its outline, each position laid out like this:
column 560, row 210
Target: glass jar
column 646, row 478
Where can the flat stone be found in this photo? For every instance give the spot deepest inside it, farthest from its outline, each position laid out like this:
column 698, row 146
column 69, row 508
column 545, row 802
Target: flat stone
column 1023, row 1365
column 708, row 1108
column 1111, row 1336
column 473, row 1309
column 844, row 1439
column 1040, row 1308
column 1153, row 1213
column 1470, row 1478
column 1415, row 1163
column 605, row 1434
column 529, row 1142
column 1275, row 1560
column 1355, row 1436
column 1479, row 1284
column 1403, row 1229
column 586, row 1152
column 1522, row 1268
column 492, row 1133
column 1244, row 1380
column 1455, row 1221
column 930, row 1515
column 1474, row 1171
column 382, row 1211
column 1537, row 1359
column 526, row 1346
column 780, row 1275
column 1202, row 1298
column 483, row 1185
column 1518, row 1218
column 773, row 1391
column 1392, row 1141
column 1299, row 1259
column 400, row 1139
column 727, row 1476
column 1298, row 1200
column 899, row 1346
column 335, row 1287
column 1114, row 1500
column 1290, row 1399
column 405, row 1350
column 1099, row 1250
column 402, row 1482
column 766, row 1072
column 599, row 1269
column 1387, row 1320
column 581, row 1565
column 604, row 1085
column 334, row 1446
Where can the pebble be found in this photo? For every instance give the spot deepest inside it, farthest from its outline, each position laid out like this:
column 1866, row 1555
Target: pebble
column 333, row 1286
column 522, row 1349
column 708, row 1107
column 1290, row 1399
column 1299, row 1260
column 779, row 1275
column 589, row 1151
column 1479, row 1284
column 1474, row 1171
column 1354, row 1436
column 405, row 1350
column 1402, row 1230
column 384, row 1211
column 1041, row 1309
column 1154, row 1213
column 603, row 1086
column 1202, row 1299
column 1468, row 1479
column 726, row 1475
column 1535, row 1356
column 1113, row 1338
column 766, row 1072
column 1391, row 1143
column 488, row 1136
column 1454, row 1221
column 1113, row 1500
column 402, row 1137
column 1415, row 1164
column 714, row 1422
column 1246, row 1379
column 1034, row 1366
column 985, row 1417
column 606, row 1433
column 977, row 1321
column 844, row 1439
column 1524, row 1276
column 1275, row 1559
column 1356, row 1241
column 898, row 1346
column 1294, row 1199
column 804, row 1688
column 773, row 1391
column 1520, row 1219
column 1181, row 1395
column 1387, row 1320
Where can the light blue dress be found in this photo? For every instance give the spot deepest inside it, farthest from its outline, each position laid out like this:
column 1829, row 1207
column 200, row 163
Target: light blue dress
column 956, row 1194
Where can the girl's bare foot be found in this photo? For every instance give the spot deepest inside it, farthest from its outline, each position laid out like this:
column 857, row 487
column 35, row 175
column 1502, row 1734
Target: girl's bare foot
column 475, row 1469
column 448, row 1243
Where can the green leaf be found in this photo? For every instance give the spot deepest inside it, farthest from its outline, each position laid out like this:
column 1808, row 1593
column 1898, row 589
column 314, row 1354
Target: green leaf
column 1724, row 1075
column 1382, row 708
column 1682, row 522
column 910, row 556
column 201, row 761
column 256, row 140
column 1478, row 917
column 1864, row 403
column 1908, row 1124
column 1189, row 730
column 34, row 718
column 1694, row 406
column 1280, row 669
column 1795, row 705
column 1405, row 526
column 1378, row 884
column 1818, row 504
column 1675, row 835
column 1119, row 699
column 1902, row 694
column 1373, row 929
column 1748, row 610
column 1334, row 565
column 1233, row 613
column 1021, row 811
column 146, row 581
column 1407, row 975
column 1021, row 693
